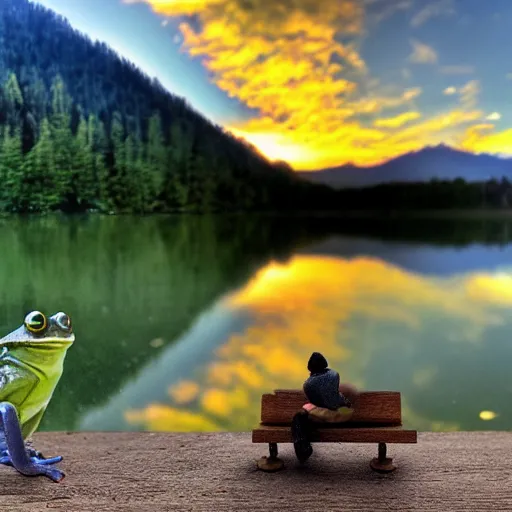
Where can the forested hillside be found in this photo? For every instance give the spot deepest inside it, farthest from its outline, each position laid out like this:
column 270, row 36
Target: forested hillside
column 81, row 128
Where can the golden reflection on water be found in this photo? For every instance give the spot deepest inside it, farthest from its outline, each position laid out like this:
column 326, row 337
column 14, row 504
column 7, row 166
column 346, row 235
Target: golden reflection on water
column 309, row 304
column 487, row 415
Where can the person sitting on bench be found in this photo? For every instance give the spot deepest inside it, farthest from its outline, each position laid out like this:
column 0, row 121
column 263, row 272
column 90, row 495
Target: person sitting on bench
column 329, row 401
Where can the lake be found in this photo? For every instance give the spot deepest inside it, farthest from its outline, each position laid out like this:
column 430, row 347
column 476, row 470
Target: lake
column 182, row 322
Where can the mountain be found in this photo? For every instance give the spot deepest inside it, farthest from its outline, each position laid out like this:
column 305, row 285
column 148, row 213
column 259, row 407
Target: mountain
column 441, row 162
column 82, row 128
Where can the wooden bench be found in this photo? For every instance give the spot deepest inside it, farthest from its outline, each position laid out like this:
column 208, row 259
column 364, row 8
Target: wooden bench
column 377, row 419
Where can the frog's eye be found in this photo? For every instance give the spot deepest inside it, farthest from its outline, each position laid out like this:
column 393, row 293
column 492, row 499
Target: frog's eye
column 63, row 321
column 36, row 322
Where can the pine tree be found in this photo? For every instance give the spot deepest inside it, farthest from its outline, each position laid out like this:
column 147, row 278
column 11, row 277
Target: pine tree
column 11, row 172
column 116, row 186
column 13, row 103
column 63, row 140
column 131, row 200
column 194, row 171
column 37, row 99
column 145, row 189
column 98, row 137
column 176, row 186
column 84, row 184
column 156, row 156
column 39, row 190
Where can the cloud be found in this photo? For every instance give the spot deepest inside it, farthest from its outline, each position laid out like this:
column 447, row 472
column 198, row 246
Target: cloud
column 432, row 10
column 431, row 131
column 422, row 53
column 495, row 116
column 379, row 10
column 483, row 138
column 372, row 104
column 469, row 93
column 177, row 7
column 457, row 70
column 297, row 64
column 509, row 76
column 397, row 121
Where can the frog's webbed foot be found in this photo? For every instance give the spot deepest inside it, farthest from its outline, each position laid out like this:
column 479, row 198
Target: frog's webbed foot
column 36, row 466
column 37, row 457
column 29, row 462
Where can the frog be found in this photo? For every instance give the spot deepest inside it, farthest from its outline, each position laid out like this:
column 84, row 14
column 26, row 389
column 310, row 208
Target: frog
column 31, row 365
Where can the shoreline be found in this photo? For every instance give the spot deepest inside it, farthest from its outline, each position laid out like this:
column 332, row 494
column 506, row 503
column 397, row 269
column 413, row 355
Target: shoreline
column 144, row 471
column 472, row 214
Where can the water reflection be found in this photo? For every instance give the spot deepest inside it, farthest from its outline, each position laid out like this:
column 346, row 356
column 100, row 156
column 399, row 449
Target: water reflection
column 443, row 341
column 132, row 286
column 182, row 322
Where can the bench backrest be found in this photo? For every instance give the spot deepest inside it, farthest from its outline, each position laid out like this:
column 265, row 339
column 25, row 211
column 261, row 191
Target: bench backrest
column 378, row 408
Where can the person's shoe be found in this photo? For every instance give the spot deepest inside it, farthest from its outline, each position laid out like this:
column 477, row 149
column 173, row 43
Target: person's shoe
column 300, row 431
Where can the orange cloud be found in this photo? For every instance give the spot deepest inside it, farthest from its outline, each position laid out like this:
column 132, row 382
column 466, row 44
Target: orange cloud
column 297, row 63
column 311, row 303
column 483, row 138
column 397, row 121
column 184, row 392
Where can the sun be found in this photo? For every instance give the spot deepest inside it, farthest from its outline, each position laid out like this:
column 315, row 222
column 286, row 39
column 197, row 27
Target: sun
column 275, row 147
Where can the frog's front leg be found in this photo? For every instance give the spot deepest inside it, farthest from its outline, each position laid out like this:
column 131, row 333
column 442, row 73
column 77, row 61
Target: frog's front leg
column 16, row 454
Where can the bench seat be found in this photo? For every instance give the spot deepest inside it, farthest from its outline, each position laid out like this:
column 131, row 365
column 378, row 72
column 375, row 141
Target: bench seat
column 341, row 434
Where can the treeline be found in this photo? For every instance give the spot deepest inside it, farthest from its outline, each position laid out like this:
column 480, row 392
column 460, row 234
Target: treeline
column 58, row 157
column 83, row 129
column 433, row 195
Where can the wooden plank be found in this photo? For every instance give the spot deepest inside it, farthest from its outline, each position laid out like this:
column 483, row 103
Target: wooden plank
column 273, row 434
column 149, row 472
column 372, row 407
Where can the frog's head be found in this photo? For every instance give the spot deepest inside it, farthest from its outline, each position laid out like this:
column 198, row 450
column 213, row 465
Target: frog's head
column 41, row 331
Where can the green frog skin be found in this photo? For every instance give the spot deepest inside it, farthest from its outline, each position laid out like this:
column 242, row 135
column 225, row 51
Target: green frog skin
column 31, row 364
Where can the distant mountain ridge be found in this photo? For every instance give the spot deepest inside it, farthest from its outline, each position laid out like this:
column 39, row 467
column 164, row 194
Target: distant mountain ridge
column 441, row 162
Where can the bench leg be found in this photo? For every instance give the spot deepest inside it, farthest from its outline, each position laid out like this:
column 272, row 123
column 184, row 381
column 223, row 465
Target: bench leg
column 382, row 464
column 271, row 463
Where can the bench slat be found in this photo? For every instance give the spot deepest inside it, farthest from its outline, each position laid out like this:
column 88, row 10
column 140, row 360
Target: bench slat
column 268, row 434
column 373, row 407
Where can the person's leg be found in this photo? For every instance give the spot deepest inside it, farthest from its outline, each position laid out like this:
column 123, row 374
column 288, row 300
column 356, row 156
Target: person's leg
column 321, row 415
column 300, row 436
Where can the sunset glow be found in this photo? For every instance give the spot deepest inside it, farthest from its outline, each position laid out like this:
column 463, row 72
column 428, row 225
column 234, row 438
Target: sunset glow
column 311, row 73
column 313, row 301
column 319, row 83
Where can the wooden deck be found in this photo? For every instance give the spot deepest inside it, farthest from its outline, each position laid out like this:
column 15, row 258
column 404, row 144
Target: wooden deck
column 217, row 472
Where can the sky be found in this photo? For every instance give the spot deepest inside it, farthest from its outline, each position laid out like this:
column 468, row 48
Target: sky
column 321, row 83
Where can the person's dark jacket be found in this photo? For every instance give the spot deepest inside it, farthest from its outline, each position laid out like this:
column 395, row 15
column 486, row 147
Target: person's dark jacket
column 322, row 389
